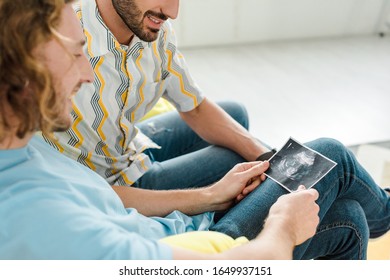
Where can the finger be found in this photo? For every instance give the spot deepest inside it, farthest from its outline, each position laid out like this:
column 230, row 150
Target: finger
column 257, row 169
column 250, row 181
column 248, row 189
column 312, row 192
column 315, row 193
column 247, row 165
column 239, row 197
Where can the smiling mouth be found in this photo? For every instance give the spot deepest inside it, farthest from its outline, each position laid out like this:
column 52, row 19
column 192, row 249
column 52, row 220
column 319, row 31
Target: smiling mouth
column 155, row 20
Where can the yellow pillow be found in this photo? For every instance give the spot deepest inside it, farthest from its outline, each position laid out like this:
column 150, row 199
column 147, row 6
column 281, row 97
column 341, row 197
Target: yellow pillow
column 210, row 242
column 162, row 106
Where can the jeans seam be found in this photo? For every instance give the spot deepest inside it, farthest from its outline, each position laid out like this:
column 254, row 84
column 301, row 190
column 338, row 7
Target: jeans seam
column 361, row 182
column 377, row 200
column 329, row 190
column 344, row 225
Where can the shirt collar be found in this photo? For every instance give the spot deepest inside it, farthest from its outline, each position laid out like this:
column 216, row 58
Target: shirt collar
column 100, row 40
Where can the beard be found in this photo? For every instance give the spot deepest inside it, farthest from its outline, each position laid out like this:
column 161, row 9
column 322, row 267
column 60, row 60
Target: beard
column 64, row 114
column 63, row 122
column 134, row 19
column 62, row 125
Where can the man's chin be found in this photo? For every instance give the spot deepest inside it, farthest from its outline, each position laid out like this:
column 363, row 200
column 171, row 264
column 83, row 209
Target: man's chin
column 62, row 127
column 150, row 36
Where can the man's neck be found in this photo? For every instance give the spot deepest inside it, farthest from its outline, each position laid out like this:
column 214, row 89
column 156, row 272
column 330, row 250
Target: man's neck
column 12, row 142
column 114, row 22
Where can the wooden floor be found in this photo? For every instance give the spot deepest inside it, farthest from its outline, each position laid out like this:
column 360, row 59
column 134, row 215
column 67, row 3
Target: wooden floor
column 338, row 87
column 379, row 249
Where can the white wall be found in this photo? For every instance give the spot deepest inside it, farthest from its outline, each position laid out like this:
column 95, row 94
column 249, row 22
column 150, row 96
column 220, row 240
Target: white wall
column 218, row 22
column 384, row 22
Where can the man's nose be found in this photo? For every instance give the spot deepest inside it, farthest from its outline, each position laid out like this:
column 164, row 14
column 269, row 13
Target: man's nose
column 171, row 8
column 87, row 74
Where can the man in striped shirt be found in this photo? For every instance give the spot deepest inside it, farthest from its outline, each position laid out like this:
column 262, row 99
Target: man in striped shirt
column 131, row 47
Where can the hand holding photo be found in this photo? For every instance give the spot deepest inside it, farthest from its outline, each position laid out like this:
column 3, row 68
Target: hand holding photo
column 295, row 164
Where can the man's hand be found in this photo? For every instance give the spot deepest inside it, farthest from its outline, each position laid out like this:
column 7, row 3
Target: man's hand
column 238, row 182
column 296, row 215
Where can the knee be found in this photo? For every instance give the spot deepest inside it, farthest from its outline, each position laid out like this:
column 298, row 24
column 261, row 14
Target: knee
column 237, row 111
column 355, row 213
column 352, row 219
column 343, row 232
column 358, row 230
column 328, row 146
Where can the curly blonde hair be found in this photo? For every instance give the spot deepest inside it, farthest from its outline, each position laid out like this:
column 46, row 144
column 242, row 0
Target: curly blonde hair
column 25, row 83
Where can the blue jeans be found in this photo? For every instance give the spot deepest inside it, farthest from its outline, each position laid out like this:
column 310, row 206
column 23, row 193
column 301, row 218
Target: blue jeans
column 352, row 209
column 185, row 160
column 352, row 206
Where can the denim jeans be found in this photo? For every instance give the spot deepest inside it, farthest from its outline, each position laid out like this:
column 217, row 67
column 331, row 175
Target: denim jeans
column 353, row 207
column 186, row 160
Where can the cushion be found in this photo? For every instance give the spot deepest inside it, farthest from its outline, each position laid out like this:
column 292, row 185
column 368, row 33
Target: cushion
column 210, row 242
column 162, row 106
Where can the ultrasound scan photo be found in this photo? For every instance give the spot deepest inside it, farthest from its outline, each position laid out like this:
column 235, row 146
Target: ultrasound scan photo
column 295, row 164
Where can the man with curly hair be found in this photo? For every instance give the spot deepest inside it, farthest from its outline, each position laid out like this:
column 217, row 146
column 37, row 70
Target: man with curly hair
column 52, row 207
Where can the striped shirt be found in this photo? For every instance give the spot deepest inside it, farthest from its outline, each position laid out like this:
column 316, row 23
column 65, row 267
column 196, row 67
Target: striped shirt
column 128, row 81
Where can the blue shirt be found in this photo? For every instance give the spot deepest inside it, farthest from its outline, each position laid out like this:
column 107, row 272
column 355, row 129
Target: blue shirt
column 52, row 207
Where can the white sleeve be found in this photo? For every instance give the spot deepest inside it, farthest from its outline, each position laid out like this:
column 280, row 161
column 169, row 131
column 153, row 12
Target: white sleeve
column 182, row 91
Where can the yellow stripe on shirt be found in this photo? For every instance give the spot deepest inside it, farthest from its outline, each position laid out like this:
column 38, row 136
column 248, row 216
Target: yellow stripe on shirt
column 100, row 102
column 89, row 162
column 89, row 42
column 177, row 74
column 155, row 52
column 126, row 179
column 141, row 88
column 75, row 129
column 105, row 148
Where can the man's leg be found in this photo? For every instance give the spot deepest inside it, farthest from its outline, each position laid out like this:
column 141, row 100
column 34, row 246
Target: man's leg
column 348, row 180
column 185, row 160
column 351, row 181
column 342, row 235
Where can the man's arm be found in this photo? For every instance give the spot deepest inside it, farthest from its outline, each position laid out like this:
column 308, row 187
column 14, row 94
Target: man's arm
column 234, row 186
column 292, row 220
column 215, row 126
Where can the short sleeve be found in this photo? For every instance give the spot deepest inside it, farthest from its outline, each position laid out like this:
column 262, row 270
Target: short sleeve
column 181, row 91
